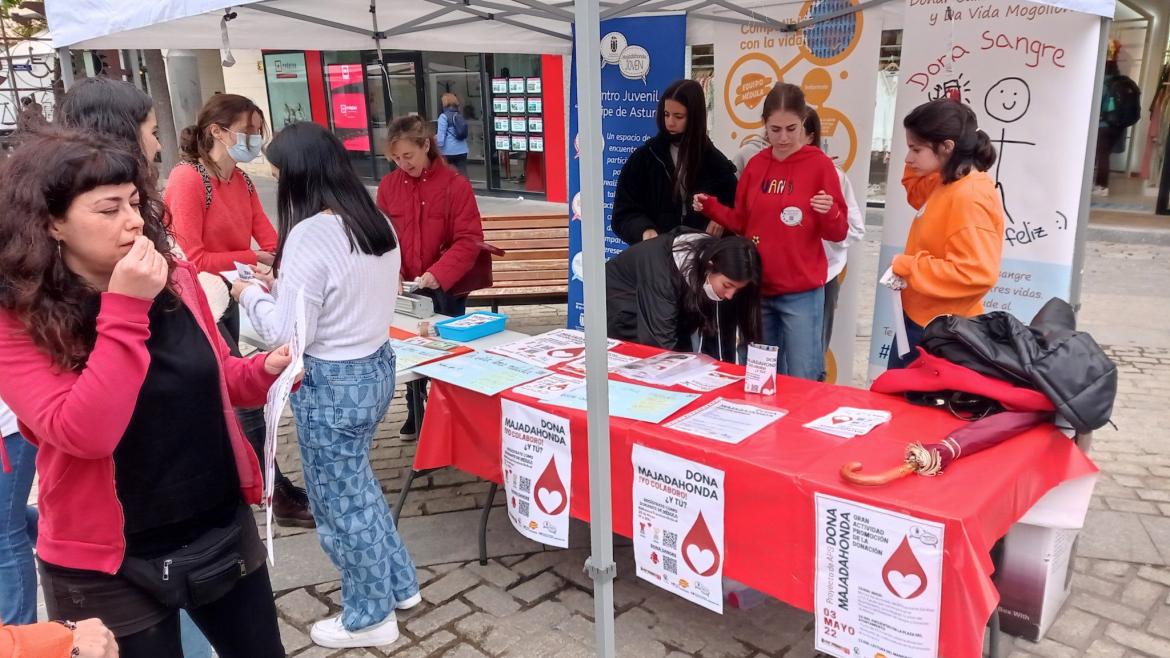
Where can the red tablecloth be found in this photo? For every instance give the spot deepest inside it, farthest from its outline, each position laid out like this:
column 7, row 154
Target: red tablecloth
column 771, row 477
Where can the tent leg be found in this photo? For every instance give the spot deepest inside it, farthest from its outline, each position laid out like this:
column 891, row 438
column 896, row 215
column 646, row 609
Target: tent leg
column 483, row 521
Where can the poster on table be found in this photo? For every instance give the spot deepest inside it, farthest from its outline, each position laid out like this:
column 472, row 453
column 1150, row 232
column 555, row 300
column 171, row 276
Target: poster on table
column 678, row 526
column 1027, row 71
column 537, row 460
column 640, row 58
column 834, row 62
column 878, row 581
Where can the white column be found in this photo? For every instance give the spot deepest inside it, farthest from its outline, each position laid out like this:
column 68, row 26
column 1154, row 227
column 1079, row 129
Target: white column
column 183, row 81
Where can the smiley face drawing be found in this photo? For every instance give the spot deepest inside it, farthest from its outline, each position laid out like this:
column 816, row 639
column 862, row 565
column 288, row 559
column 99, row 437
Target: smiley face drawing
column 1008, row 100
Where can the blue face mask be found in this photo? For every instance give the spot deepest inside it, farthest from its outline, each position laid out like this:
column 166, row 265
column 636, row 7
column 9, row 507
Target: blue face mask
column 247, row 147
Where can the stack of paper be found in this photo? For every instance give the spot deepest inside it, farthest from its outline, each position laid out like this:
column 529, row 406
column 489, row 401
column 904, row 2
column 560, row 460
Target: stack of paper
column 668, row 368
column 613, row 362
column 848, row 422
column 411, row 355
column 726, row 421
column 548, row 349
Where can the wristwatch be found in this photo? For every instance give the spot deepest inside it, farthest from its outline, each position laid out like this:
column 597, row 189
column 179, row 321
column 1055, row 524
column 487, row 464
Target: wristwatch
column 72, row 627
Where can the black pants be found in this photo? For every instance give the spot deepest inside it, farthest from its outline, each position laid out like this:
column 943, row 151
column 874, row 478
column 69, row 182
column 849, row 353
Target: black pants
column 1107, row 137
column 251, row 420
column 914, row 338
column 460, row 164
column 416, row 391
column 242, row 624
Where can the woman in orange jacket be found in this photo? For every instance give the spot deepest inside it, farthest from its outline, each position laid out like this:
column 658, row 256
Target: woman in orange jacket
column 85, row 639
column 955, row 243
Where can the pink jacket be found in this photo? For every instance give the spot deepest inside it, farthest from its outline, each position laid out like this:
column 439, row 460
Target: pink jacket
column 77, row 419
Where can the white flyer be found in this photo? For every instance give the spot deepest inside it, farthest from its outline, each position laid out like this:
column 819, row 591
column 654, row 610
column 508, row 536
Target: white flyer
column 550, row 387
column 848, row 422
column 878, row 581
column 472, row 320
column 278, row 396
column 411, row 355
column 896, row 284
column 548, row 349
column 761, row 369
column 726, row 421
column 678, row 526
column 613, row 362
column 668, row 368
column 537, row 459
column 710, row 381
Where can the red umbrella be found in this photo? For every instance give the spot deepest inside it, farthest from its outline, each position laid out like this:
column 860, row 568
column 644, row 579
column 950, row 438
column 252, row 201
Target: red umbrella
column 932, row 458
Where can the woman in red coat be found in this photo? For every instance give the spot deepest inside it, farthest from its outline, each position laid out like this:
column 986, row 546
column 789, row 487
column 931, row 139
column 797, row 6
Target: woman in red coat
column 434, row 213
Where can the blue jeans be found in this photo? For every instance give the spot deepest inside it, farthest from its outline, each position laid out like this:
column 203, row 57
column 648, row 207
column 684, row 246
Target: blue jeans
column 195, row 645
column 794, row 323
column 337, row 409
column 18, row 534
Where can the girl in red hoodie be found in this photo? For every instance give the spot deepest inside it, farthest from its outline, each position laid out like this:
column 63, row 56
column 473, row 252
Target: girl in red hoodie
column 789, row 199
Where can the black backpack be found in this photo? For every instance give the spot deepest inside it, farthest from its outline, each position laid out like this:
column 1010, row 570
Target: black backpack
column 1124, row 106
column 457, row 124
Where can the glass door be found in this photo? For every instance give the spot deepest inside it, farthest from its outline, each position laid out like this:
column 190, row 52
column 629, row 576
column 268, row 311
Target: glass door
column 392, row 92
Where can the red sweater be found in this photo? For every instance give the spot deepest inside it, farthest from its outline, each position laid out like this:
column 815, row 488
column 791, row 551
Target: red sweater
column 437, row 222
column 773, row 207
column 215, row 236
column 78, row 418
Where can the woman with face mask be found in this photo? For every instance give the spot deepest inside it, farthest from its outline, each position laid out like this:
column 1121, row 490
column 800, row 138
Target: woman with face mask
column 656, row 184
column 215, row 214
column 661, row 291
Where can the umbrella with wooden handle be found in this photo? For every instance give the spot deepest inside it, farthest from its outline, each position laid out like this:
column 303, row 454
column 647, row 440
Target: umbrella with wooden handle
column 930, row 459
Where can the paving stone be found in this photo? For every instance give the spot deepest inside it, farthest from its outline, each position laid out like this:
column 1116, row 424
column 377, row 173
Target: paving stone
column 1142, row 594
column 1112, row 535
column 449, row 586
column 544, row 615
column 577, row 601
column 1074, row 627
column 464, row 651
column 1051, row 649
column 580, row 628
column 1138, row 641
column 435, row 619
column 1154, row 496
column 542, row 561
column 550, row 643
column 427, row 648
column 292, row 639
column 492, row 600
column 1131, row 481
column 301, row 608
column 1135, row 506
column 1102, row 648
column 1098, row 586
column 1159, row 530
column 495, row 573
column 1111, row 569
column 1107, row 609
column 537, row 588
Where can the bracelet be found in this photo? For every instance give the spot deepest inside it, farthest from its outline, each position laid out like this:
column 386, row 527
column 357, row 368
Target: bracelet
column 66, row 623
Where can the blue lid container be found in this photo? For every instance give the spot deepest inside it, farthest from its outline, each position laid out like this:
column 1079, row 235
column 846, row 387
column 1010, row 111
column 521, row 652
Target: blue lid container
column 466, row 328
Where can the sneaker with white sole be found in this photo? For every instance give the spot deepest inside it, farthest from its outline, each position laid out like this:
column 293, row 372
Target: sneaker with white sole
column 407, row 604
column 331, row 634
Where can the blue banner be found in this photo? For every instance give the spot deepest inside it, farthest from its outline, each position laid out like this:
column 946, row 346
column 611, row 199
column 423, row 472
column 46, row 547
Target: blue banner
column 640, row 58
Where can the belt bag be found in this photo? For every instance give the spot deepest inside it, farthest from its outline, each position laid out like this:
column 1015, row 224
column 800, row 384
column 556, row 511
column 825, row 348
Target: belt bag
column 196, row 574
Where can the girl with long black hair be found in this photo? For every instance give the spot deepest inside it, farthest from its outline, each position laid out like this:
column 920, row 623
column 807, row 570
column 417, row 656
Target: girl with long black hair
column 663, row 291
column 657, row 183
column 338, row 251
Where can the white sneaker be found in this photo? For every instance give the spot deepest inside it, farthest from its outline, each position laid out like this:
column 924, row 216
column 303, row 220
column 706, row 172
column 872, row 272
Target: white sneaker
column 331, row 634
column 407, row 604
column 1100, row 191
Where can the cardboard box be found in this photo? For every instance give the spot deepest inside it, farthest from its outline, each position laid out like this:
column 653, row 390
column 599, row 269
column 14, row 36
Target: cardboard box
column 1034, row 579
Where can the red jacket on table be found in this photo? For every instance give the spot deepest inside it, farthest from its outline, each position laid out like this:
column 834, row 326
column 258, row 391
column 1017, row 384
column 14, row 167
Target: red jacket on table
column 77, row 419
column 773, row 208
column 437, row 222
column 214, row 237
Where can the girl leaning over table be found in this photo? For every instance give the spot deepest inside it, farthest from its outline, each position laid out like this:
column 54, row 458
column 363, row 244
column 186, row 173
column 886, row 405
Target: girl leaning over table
column 955, row 243
column 437, row 220
column 788, row 200
column 339, row 252
column 113, row 365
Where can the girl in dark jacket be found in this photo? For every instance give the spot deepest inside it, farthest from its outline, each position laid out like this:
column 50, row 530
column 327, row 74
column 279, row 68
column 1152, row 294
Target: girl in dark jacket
column 662, row 291
column 656, row 184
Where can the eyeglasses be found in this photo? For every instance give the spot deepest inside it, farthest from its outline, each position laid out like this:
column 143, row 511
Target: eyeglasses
column 964, row 406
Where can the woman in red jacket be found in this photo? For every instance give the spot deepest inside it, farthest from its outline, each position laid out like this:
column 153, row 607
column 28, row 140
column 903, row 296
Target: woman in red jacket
column 113, row 365
column 216, row 214
column 789, row 199
column 440, row 232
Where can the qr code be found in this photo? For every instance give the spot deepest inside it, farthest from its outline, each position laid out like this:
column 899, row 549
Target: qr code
column 670, row 540
column 523, row 508
column 525, row 483
column 670, row 565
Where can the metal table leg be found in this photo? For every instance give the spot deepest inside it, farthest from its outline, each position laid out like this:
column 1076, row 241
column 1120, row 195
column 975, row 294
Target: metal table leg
column 995, row 636
column 483, row 521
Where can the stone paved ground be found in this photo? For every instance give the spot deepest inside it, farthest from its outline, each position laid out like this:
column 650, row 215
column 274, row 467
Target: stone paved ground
column 533, row 602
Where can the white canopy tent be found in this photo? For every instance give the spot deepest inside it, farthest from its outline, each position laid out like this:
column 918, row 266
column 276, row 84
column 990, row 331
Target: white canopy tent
column 502, row 26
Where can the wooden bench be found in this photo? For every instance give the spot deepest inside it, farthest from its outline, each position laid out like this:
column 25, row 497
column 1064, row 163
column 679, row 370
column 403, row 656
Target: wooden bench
column 535, row 267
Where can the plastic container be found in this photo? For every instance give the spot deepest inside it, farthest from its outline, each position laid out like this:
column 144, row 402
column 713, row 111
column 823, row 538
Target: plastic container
column 466, row 328
column 741, row 596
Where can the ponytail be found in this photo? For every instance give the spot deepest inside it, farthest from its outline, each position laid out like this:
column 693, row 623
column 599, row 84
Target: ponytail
column 985, row 154
column 949, row 120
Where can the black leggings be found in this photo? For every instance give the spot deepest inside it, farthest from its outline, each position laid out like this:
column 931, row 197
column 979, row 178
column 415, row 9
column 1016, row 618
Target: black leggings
column 242, row 624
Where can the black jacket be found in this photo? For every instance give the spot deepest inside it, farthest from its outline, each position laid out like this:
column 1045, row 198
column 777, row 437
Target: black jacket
column 1048, row 355
column 644, row 292
column 645, row 190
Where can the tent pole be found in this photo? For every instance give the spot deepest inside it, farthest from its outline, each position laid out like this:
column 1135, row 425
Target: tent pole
column 600, row 565
column 1082, row 228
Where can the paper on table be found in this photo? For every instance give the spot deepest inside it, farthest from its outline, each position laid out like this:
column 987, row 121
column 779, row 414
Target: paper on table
column 726, row 421
column 278, row 396
column 548, row 349
column 668, row 368
column 482, row 372
column 473, row 320
column 550, row 387
column 613, row 362
column 652, row 405
column 710, row 381
column 411, row 355
column 848, row 422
